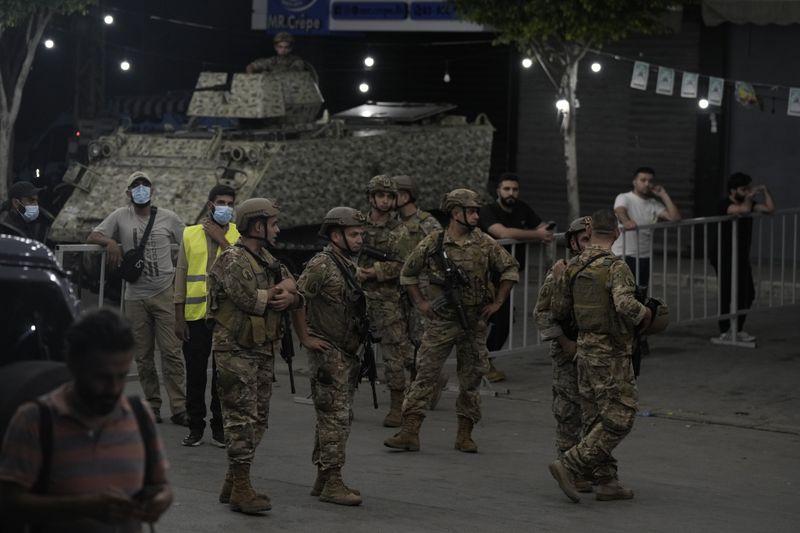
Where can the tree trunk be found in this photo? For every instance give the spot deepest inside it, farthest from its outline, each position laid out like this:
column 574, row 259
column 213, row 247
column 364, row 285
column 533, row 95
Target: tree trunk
column 5, row 157
column 569, row 83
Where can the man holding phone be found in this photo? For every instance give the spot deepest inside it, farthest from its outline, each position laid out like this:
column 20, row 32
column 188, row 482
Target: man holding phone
column 510, row 218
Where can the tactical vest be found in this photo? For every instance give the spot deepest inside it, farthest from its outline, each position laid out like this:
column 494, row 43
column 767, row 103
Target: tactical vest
column 250, row 330
column 196, row 249
column 591, row 296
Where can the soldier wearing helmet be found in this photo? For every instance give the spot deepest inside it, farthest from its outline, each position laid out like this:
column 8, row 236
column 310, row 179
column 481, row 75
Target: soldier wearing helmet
column 282, row 61
column 459, row 261
column 419, row 224
column 245, row 302
column 331, row 328
column 562, row 336
column 385, row 235
column 597, row 289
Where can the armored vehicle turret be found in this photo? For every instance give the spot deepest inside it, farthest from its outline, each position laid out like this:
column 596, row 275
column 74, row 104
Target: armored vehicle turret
column 260, row 133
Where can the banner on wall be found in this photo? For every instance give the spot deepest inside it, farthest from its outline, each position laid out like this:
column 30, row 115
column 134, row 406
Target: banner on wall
column 641, row 72
column 794, row 102
column 689, row 85
column 716, row 89
column 666, row 81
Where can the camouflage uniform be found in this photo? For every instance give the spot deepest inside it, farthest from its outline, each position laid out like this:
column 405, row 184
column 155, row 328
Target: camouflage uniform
column 385, row 298
column 246, row 337
column 277, row 64
column 420, row 224
column 479, row 256
column 605, row 309
column 566, row 398
column 333, row 313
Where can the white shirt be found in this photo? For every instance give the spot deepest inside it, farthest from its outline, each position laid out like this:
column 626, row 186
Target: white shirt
column 643, row 211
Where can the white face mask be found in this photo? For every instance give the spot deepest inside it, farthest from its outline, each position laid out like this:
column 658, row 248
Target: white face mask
column 222, row 214
column 140, row 194
column 31, row 213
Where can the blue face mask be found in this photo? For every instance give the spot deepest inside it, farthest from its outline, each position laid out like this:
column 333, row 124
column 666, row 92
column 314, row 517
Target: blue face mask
column 222, row 214
column 31, row 213
column 140, row 194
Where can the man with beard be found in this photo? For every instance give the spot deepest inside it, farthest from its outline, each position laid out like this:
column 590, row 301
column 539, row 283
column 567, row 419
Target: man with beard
column 459, row 262
column 645, row 204
column 148, row 300
column 743, row 199
column 510, row 218
column 83, row 457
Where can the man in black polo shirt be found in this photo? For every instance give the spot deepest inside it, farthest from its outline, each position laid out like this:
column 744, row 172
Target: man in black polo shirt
column 510, row 218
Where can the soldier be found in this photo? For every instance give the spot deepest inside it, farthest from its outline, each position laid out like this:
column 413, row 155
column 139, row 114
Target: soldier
column 459, row 262
column 282, row 61
column 386, row 244
column 419, row 224
column 562, row 337
column 331, row 327
column 246, row 303
column 598, row 288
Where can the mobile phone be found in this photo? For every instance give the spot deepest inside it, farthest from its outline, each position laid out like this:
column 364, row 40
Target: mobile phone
column 550, row 226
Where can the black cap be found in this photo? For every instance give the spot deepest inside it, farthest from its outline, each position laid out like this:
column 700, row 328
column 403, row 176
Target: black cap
column 23, row 189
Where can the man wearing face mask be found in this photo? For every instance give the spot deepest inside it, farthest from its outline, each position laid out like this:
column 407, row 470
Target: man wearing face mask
column 200, row 247
column 461, row 259
column 246, row 302
column 331, row 327
column 24, row 218
column 148, row 300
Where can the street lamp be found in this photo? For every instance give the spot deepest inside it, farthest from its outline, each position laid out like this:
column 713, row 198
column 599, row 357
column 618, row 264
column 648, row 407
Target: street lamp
column 109, row 19
column 527, row 62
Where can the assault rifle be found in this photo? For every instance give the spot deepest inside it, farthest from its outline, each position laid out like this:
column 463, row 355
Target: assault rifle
column 378, row 254
column 640, row 346
column 287, row 344
column 454, row 279
column 369, row 368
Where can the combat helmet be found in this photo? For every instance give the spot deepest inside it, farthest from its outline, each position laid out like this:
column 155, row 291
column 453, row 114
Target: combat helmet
column 381, row 183
column 660, row 312
column 576, row 226
column 254, row 208
column 341, row 217
column 283, row 37
column 460, row 198
column 407, row 183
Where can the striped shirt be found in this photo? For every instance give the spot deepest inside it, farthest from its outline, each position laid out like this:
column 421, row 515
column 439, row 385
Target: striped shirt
column 89, row 455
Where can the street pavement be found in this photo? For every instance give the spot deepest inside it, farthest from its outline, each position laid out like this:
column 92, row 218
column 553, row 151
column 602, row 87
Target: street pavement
column 715, row 448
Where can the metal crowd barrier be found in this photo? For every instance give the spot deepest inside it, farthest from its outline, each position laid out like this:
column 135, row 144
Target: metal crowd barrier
column 681, row 274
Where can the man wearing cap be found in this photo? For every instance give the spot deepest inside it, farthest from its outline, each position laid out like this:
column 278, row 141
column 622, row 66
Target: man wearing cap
column 282, row 61
column 597, row 288
column 563, row 336
column 200, row 247
column 458, row 261
column 24, row 218
column 248, row 291
column 149, row 300
column 509, row 218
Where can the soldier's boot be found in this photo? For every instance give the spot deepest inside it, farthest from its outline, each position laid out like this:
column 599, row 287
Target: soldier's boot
column 243, row 498
column 613, row 490
column 464, row 442
column 408, row 437
column 319, row 483
column 494, row 375
column 564, row 479
column 582, row 485
column 335, row 491
column 395, row 416
column 437, row 395
column 227, row 486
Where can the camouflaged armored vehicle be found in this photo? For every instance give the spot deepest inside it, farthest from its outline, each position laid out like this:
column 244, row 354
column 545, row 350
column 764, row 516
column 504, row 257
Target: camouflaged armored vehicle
column 261, row 134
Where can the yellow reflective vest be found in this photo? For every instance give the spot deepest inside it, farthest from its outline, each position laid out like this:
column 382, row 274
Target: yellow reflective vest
column 196, row 249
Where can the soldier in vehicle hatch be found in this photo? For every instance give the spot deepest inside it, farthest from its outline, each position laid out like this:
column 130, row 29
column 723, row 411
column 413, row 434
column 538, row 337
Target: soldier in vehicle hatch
column 282, row 61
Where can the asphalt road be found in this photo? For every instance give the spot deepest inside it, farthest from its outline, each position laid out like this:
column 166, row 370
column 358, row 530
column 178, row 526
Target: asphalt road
column 716, row 448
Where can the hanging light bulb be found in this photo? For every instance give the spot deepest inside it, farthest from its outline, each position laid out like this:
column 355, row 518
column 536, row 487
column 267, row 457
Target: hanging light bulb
column 446, row 77
column 703, row 103
column 562, row 105
column 109, row 19
column 49, row 43
column 364, row 87
column 527, row 62
column 125, row 65
column 596, row 67
column 369, row 61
